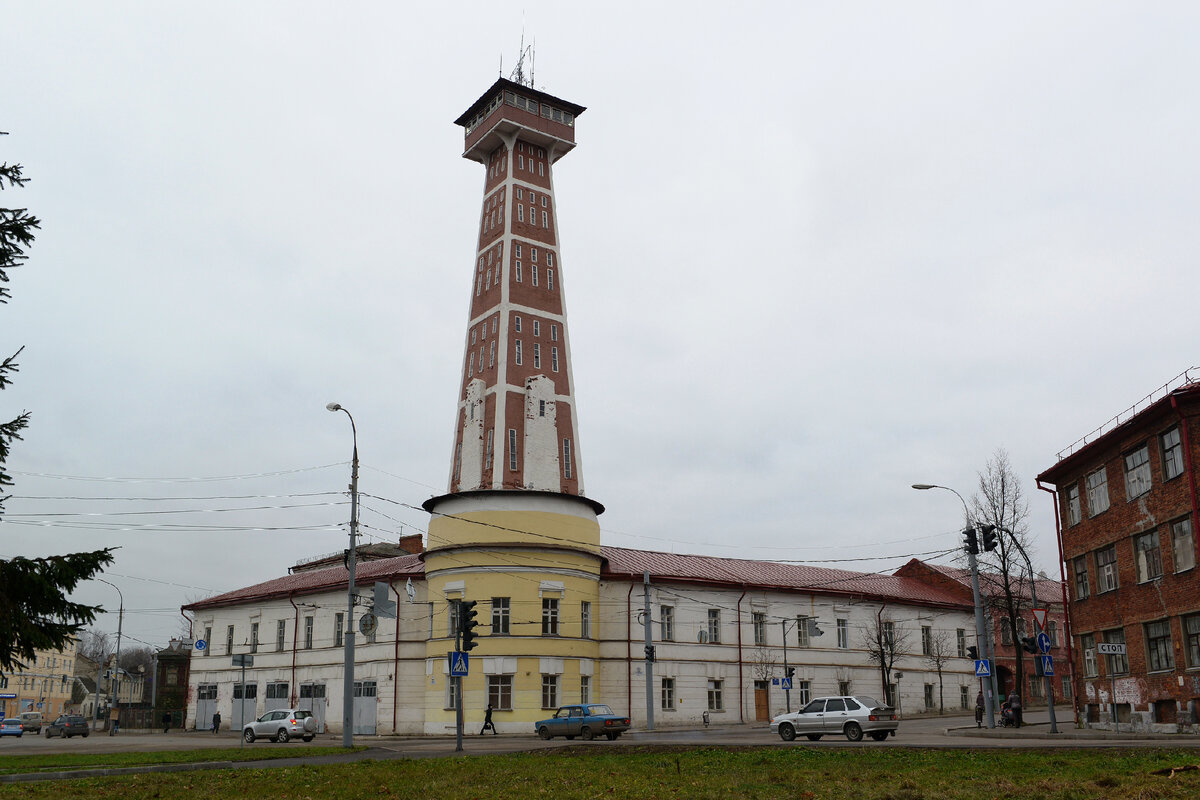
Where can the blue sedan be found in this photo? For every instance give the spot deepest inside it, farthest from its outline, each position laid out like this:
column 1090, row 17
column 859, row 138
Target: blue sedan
column 586, row 721
column 11, row 727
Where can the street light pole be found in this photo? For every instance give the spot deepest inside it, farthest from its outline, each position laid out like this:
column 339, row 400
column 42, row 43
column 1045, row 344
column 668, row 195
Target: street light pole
column 980, row 629
column 348, row 628
column 1033, row 595
column 116, row 681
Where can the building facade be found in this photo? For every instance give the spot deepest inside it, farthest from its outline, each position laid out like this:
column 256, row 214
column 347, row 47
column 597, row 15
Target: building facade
column 1126, row 505
column 44, row 685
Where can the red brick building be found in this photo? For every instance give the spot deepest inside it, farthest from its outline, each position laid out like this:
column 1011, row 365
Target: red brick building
column 1126, row 505
column 1049, row 595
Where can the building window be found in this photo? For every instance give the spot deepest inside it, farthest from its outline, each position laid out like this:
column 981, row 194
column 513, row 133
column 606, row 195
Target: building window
column 1191, row 637
column 517, row 352
column 512, row 449
column 553, row 332
column 929, row 697
column 889, row 635
column 229, row 641
column 537, row 327
column 1117, row 665
column 758, row 621
column 1106, row 569
column 308, row 633
column 585, row 688
column 960, row 638
column 715, row 703
column 339, row 626
column 567, row 459
column 1147, row 556
column 1052, row 632
column 492, row 355
column 537, row 355
column 1172, row 454
column 1158, row 645
column 533, row 275
column 714, row 625
column 451, row 694
column 554, row 359
column 550, row 280
column 280, row 635
column 487, row 464
column 253, row 637
column 549, row 616
column 667, row 693
column 804, row 691
column 1087, row 644
column 802, row 632
column 208, row 638
column 500, row 692
column 501, row 615
column 585, row 621
column 964, row 697
column 549, row 691
column 926, row 640
column 1183, row 544
column 517, row 323
column 1137, row 472
column 666, row 623
column 843, row 634
column 518, row 271
column 1097, row 492
column 1073, row 504
column 1082, row 587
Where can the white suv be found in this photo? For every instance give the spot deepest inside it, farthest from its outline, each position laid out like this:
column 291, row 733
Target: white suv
column 282, row 726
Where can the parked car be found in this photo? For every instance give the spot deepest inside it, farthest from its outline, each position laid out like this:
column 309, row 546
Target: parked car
column 31, row 721
column 588, row 721
column 11, row 727
column 68, row 725
column 849, row 716
column 282, row 725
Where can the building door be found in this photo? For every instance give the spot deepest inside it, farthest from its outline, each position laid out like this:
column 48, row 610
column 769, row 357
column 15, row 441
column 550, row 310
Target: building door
column 312, row 698
column 364, row 707
column 206, row 705
column 761, row 705
column 277, row 696
column 245, row 704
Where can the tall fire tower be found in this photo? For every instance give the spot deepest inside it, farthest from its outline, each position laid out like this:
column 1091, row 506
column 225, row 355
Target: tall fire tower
column 515, row 531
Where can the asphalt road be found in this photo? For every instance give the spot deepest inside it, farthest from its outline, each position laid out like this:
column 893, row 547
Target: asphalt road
column 938, row 732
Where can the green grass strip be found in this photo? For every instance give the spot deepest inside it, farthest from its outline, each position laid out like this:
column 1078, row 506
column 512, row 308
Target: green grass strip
column 53, row 762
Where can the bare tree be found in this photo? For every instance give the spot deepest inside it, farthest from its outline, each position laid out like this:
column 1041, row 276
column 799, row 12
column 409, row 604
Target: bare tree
column 939, row 655
column 763, row 663
column 1000, row 501
column 95, row 645
column 884, row 641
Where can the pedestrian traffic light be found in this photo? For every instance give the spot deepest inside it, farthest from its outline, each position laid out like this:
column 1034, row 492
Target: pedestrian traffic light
column 791, row 671
column 467, row 623
column 650, row 652
column 972, row 541
column 989, row 537
column 973, row 653
column 1029, row 644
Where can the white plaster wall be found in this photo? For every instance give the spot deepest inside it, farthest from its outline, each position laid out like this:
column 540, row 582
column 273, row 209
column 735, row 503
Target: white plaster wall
column 541, row 457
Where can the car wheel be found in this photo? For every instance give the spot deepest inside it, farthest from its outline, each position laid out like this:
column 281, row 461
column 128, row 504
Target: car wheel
column 814, row 737
column 85, row 734
column 787, row 731
column 854, row 731
column 283, row 737
column 544, row 732
column 587, row 734
column 248, row 735
column 307, row 737
column 879, row 736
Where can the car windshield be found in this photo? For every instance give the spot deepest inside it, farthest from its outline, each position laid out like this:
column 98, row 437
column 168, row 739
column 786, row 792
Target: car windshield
column 599, row 710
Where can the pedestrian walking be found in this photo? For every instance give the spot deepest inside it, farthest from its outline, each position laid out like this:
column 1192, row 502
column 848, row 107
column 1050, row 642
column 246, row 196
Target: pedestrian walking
column 1014, row 702
column 487, row 721
column 166, row 721
column 979, row 711
column 216, row 722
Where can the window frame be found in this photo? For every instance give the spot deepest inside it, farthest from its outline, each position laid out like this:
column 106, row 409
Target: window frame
column 501, row 616
column 666, row 621
column 1181, row 529
column 1172, row 453
column 1074, row 512
column 1104, row 567
column 758, row 625
column 499, row 692
column 1160, row 648
column 714, row 626
column 1137, row 472
column 1081, row 582
column 1147, row 556
column 550, row 616
column 549, row 690
column 1098, row 503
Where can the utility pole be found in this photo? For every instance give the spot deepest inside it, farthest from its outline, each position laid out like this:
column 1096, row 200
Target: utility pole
column 980, row 633
column 351, row 560
column 456, row 610
column 648, row 620
column 787, row 691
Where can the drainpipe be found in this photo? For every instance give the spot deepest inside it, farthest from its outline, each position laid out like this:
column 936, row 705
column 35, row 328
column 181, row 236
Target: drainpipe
column 396, row 663
column 295, row 691
column 189, row 622
column 629, row 646
column 1062, row 567
column 741, row 686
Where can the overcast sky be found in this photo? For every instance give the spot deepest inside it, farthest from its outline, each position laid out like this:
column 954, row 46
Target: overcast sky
column 812, row 253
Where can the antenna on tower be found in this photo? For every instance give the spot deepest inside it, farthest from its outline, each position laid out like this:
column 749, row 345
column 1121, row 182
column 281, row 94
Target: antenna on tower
column 518, row 73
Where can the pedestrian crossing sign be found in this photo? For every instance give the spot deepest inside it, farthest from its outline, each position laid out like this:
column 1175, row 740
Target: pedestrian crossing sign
column 983, row 668
column 458, row 664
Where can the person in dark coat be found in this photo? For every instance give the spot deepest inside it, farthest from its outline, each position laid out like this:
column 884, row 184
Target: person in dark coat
column 166, row 721
column 1014, row 702
column 979, row 711
column 487, row 721
column 216, row 722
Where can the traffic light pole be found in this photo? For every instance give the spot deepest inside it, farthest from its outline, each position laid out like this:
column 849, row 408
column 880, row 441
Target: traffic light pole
column 649, row 653
column 787, row 692
column 1049, row 685
column 456, row 609
column 988, row 701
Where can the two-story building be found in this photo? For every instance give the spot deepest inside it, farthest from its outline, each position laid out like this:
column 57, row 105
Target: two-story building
column 43, row 685
column 1126, row 504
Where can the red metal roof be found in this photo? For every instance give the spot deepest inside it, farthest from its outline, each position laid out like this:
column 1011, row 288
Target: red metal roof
column 991, row 584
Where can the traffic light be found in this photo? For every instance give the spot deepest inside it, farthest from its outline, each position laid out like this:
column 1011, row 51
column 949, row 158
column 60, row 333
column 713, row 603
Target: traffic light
column 972, row 541
column 467, row 623
column 989, row 537
column 973, row 653
column 791, row 672
column 650, row 652
column 1029, row 644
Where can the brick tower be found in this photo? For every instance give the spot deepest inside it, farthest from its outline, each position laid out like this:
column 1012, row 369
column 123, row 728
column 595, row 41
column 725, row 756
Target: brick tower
column 515, row 531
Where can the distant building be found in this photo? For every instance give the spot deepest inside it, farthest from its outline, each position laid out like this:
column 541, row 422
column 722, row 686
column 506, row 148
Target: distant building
column 44, row 685
column 171, row 679
column 1126, row 501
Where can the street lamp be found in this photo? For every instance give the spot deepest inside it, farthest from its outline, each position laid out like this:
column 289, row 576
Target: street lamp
column 980, row 628
column 116, row 681
column 348, row 629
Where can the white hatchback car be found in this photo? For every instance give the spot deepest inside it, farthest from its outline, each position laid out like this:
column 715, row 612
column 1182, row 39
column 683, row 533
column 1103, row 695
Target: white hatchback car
column 282, row 725
column 849, row 716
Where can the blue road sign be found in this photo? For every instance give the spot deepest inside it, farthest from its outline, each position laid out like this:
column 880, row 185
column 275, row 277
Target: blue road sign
column 201, row 644
column 459, row 665
column 786, row 683
column 1043, row 640
column 1047, row 665
column 774, row 682
column 983, row 668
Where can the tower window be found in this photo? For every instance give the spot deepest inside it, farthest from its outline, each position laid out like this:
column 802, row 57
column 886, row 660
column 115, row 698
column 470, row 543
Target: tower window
column 543, row 201
column 554, row 359
column 550, row 279
column 541, row 168
column 567, row 459
column 488, row 283
column 545, row 221
column 517, row 323
column 533, row 254
column 492, row 355
column 537, row 328
column 541, row 408
column 493, row 324
column 473, row 337
column 533, row 215
column 520, row 162
column 471, row 364
column 517, row 352
column 533, row 274
column 520, row 216
column 537, row 358
column 518, row 272
column 549, row 259
column 553, row 332
column 518, row 249
column 512, row 449
column 487, row 464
